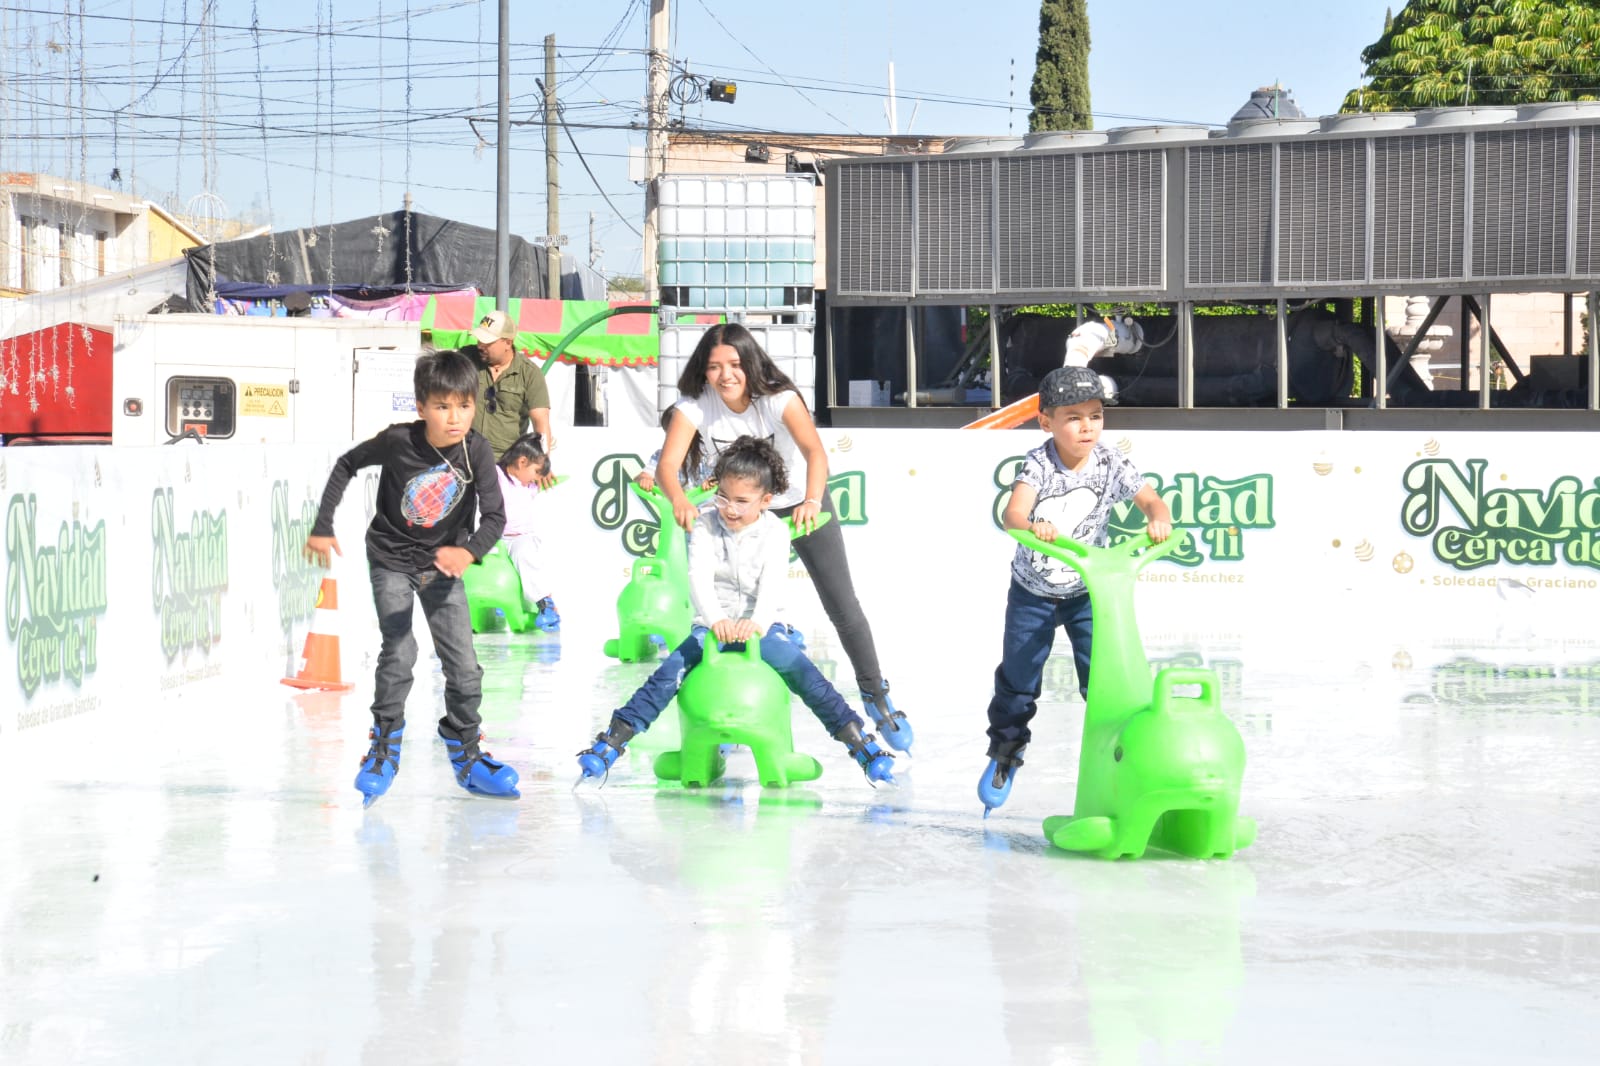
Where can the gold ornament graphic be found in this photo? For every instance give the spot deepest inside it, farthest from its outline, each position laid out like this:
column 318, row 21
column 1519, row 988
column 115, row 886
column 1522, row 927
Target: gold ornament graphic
column 845, row 443
column 1432, row 447
column 1402, row 660
column 1365, row 551
column 1125, row 446
column 1402, row 563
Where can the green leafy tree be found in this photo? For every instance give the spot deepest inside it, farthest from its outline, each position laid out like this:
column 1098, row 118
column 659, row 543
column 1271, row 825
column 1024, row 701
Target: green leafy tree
column 1060, row 91
column 1450, row 53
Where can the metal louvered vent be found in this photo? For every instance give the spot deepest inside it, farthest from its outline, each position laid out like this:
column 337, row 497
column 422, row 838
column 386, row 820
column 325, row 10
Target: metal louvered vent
column 1322, row 203
column 955, row 209
column 1038, row 222
column 1519, row 196
column 874, row 228
column 1419, row 210
column 1124, row 242
column 1229, row 200
column 1588, row 194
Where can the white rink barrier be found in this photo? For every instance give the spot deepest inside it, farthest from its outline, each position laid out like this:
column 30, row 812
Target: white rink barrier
column 161, row 575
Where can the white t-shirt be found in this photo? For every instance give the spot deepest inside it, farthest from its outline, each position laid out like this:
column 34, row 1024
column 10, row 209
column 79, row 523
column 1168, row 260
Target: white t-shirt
column 720, row 426
column 1078, row 503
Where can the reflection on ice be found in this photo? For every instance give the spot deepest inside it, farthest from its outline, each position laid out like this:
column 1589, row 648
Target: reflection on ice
column 1421, row 889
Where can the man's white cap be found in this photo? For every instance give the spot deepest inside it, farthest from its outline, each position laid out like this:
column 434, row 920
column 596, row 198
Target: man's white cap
column 494, row 326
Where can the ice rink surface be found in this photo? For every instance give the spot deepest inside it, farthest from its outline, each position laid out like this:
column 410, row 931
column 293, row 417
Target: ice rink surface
column 203, row 886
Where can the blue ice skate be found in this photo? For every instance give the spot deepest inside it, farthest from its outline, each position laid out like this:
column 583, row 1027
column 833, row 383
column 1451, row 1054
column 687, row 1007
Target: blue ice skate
column 892, row 724
column 379, row 764
column 608, row 747
column 477, row 771
column 995, row 786
column 876, row 763
column 548, row 618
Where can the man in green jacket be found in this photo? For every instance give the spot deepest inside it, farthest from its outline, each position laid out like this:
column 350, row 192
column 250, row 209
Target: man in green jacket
column 511, row 389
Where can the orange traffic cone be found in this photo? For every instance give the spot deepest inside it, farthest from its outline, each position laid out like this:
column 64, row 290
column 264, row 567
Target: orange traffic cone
column 319, row 663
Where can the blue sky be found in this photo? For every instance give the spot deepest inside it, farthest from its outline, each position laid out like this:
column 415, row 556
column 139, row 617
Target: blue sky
column 326, row 132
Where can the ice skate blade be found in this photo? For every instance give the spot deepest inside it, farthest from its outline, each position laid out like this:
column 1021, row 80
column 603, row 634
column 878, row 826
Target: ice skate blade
column 512, row 795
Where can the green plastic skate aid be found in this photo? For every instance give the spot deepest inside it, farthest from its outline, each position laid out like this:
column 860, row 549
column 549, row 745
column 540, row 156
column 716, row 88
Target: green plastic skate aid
column 655, row 601
column 753, row 698
column 1156, row 767
column 492, row 583
column 734, row 697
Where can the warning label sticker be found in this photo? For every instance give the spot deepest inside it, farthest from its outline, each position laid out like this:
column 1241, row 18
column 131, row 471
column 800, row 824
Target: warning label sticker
column 264, row 401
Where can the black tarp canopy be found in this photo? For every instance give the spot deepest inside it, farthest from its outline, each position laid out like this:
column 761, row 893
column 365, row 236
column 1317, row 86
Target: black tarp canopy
column 391, row 251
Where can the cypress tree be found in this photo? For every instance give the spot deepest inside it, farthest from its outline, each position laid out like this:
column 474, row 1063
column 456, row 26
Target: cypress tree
column 1060, row 91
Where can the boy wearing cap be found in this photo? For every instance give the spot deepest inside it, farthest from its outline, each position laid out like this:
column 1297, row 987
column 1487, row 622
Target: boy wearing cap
column 511, row 389
column 1065, row 488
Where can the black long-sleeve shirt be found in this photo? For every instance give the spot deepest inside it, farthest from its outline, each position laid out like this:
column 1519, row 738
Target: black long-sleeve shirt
column 426, row 497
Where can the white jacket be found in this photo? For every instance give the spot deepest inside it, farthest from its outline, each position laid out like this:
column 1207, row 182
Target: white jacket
column 739, row 574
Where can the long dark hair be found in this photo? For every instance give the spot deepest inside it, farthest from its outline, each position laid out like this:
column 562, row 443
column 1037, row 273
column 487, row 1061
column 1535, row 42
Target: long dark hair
column 761, row 375
column 755, row 459
column 693, row 458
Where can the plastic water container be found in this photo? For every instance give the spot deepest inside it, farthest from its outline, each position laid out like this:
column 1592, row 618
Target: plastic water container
column 734, row 242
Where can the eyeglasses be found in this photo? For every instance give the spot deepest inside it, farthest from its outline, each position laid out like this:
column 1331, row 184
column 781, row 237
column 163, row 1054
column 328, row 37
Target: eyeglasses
column 489, row 399
column 734, row 509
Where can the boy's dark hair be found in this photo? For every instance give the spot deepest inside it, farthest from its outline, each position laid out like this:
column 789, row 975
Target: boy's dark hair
column 531, row 446
column 757, row 460
column 693, row 457
column 444, row 374
column 761, row 375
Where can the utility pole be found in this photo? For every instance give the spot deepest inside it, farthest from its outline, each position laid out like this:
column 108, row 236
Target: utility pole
column 655, row 144
column 502, row 183
column 594, row 249
column 552, row 174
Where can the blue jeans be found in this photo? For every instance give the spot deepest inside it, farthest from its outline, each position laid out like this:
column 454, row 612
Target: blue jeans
column 777, row 651
column 444, row 605
column 1030, row 634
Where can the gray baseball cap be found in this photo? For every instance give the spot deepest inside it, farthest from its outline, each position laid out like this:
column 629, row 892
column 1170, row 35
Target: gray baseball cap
column 1067, row 385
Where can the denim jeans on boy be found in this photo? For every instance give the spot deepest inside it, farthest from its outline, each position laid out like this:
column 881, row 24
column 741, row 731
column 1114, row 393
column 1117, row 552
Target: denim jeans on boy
column 444, row 605
column 1030, row 633
column 777, row 651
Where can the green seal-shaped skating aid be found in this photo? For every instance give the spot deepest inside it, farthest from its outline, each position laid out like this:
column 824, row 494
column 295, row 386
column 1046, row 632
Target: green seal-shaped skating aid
column 655, row 601
column 1157, row 768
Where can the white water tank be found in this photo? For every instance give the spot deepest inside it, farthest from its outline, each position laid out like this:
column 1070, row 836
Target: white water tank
column 1156, row 134
column 964, row 145
column 1064, row 139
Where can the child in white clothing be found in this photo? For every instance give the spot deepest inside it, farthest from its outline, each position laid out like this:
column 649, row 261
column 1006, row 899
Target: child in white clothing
column 525, row 469
column 738, row 566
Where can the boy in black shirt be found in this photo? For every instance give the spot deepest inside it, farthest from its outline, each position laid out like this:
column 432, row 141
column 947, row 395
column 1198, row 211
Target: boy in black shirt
column 419, row 542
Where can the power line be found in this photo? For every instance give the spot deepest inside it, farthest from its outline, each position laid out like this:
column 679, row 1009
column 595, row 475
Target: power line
column 774, row 73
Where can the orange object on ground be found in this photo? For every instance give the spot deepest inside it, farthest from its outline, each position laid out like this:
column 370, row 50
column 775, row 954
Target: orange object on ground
column 1010, row 416
column 319, row 663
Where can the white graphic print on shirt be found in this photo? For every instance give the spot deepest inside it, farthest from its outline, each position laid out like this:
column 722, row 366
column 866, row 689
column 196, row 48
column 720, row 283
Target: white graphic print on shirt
column 1078, row 503
column 1070, row 515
